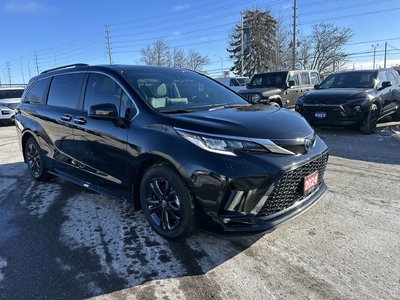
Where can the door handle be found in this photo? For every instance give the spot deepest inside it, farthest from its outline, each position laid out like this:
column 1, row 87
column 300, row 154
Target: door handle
column 80, row 120
column 66, row 117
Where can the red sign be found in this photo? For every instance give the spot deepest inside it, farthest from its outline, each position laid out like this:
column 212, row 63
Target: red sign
column 310, row 182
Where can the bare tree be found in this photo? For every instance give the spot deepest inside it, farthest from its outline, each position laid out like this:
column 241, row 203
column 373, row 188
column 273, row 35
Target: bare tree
column 161, row 54
column 156, row 54
column 324, row 48
column 178, row 58
column 195, row 61
column 282, row 47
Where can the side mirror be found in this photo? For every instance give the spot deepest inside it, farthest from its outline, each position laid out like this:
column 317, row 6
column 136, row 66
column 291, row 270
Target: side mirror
column 291, row 83
column 105, row 111
column 386, row 84
column 316, row 86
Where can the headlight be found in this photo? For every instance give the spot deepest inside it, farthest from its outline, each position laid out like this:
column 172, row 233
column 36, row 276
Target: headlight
column 358, row 101
column 220, row 145
column 255, row 98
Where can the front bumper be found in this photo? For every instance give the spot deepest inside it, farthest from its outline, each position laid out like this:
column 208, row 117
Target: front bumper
column 255, row 224
column 336, row 115
column 258, row 192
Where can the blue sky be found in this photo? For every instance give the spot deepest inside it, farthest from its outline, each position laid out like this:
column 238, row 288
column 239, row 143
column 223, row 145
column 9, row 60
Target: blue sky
column 65, row 32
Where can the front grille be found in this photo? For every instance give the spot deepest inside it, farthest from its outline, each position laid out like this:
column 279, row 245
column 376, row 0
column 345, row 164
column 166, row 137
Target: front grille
column 247, row 96
column 289, row 188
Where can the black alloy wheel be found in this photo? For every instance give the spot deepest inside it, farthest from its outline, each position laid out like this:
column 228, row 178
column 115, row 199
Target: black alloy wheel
column 35, row 160
column 371, row 120
column 166, row 202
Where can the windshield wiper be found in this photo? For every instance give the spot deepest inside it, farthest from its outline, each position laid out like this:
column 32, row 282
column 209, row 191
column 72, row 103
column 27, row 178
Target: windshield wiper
column 177, row 111
column 228, row 106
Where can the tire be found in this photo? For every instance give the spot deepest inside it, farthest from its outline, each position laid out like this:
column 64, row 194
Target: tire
column 35, row 160
column 274, row 104
column 369, row 124
column 167, row 203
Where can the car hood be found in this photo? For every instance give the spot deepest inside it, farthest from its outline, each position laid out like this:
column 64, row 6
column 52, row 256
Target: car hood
column 266, row 92
column 335, row 96
column 10, row 101
column 253, row 121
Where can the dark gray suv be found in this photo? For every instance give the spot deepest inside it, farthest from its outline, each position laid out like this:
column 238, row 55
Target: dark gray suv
column 280, row 88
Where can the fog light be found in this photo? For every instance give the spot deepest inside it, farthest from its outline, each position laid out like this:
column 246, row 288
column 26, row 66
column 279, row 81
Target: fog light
column 226, row 220
column 357, row 108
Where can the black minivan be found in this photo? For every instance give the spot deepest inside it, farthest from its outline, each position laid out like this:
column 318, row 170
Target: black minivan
column 180, row 146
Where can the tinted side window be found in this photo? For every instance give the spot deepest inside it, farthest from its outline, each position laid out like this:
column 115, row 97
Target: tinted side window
column 37, row 93
column 396, row 75
column 305, row 79
column 234, row 82
column 295, row 78
column 314, row 78
column 102, row 89
column 65, row 90
column 381, row 78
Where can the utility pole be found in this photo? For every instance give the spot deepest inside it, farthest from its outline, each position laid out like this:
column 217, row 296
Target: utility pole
column 37, row 63
column 108, row 43
column 374, row 46
column 294, row 36
column 241, row 45
column 22, row 70
column 9, row 72
column 384, row 61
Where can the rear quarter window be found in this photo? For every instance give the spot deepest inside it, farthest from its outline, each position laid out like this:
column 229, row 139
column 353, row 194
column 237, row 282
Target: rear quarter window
column 37, row 93
column 66, row 90
column 304, row 78
column 314, row 78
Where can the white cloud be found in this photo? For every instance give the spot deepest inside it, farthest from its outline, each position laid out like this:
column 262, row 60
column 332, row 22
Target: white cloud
column 25, row 7
column 181, row 7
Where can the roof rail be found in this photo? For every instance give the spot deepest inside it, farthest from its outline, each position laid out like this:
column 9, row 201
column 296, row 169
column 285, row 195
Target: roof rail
column 64, row 67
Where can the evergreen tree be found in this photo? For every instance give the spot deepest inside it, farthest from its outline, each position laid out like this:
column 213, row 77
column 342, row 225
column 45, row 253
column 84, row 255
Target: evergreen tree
column 259, row 41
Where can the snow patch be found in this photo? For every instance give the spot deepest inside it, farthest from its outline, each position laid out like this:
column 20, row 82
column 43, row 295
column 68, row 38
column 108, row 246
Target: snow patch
column 123, row 242
column 39, row 197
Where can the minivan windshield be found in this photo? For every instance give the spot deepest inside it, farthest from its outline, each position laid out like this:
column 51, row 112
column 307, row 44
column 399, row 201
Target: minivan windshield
column 356, row 79
column 11, row 93
column 273, row 79
column 174, row 90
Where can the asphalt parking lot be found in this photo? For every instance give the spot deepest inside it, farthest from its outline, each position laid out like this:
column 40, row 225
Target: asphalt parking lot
column 58, row 241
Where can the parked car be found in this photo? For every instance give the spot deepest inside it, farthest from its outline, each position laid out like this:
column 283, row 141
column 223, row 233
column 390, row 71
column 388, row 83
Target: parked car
column 280, row 88
column 353, row 98
column 177, row 144
column 234, row 83
column 9, row 99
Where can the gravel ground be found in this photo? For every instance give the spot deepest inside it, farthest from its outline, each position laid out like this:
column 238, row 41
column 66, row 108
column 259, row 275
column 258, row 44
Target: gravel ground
column 59, row 241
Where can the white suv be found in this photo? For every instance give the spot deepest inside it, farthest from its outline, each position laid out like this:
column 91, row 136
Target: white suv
column 9, row 99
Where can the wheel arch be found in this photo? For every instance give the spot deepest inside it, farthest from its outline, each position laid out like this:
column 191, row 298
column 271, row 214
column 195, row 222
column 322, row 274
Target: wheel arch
column 276, row 99
column 147, row 161
column 25, row 136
